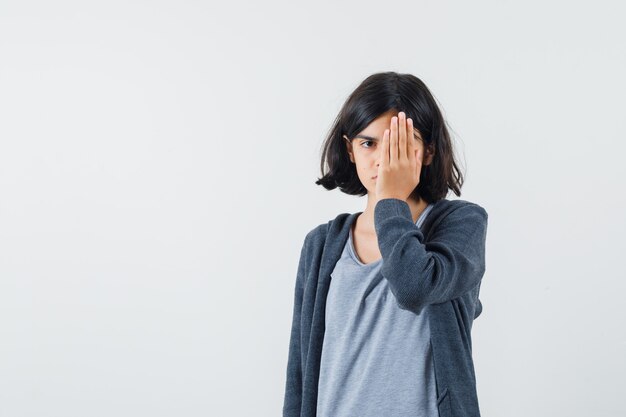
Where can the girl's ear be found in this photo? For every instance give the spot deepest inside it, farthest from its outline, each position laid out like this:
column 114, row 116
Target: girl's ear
column 349, row 148
column 429, row 155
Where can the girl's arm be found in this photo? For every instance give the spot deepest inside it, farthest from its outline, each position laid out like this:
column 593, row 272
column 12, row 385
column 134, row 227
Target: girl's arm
column 293, row 386
column 450, row 264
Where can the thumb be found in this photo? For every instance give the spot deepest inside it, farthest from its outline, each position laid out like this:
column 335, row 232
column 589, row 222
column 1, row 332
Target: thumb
column 417, row 159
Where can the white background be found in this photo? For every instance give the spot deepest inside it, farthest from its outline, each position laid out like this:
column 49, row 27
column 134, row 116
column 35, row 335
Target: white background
column 157, row 168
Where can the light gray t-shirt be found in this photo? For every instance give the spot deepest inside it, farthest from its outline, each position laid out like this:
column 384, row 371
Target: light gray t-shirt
column 376, row 357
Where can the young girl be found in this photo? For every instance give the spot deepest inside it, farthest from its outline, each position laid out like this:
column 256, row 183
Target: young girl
column 385, row 298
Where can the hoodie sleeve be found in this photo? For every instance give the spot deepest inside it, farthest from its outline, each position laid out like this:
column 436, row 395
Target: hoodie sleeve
column 450, row 264
column 293, row 386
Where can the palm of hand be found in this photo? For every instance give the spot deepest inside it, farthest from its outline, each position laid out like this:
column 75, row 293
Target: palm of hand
column 400, row 160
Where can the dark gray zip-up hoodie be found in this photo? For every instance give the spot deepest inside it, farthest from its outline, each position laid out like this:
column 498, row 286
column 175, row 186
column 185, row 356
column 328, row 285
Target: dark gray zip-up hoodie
column 440, row 264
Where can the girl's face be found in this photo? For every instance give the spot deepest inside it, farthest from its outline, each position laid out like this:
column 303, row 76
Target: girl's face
column 365, row 149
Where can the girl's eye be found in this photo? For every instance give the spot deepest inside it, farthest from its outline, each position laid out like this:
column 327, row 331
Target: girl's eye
column 367, row 141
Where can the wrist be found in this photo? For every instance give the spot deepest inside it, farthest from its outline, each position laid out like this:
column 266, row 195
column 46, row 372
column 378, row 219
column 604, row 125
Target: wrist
column 384, row 196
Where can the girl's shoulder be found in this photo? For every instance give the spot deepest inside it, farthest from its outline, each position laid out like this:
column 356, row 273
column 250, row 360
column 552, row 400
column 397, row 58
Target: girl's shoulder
column 446, row 206
column 457, row 213
column 333, row 227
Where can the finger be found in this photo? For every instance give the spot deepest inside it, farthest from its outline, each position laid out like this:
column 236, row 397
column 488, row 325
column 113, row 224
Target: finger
column 410, row 135
column 384, row 162
column 393, row 142
column 402, row 151
column 411, row 145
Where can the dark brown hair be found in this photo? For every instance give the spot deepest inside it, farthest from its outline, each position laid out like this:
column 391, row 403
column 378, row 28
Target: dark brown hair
column 376, row 95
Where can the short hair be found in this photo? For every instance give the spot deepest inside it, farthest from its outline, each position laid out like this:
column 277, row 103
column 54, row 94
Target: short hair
column 377, row 94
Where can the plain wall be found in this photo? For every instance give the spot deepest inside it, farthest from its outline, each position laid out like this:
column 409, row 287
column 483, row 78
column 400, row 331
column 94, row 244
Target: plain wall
column 157, row 168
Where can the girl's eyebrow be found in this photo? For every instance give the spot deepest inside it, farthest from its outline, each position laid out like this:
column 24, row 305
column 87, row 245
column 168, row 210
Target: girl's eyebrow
column 365, row 137
column 375, row 139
